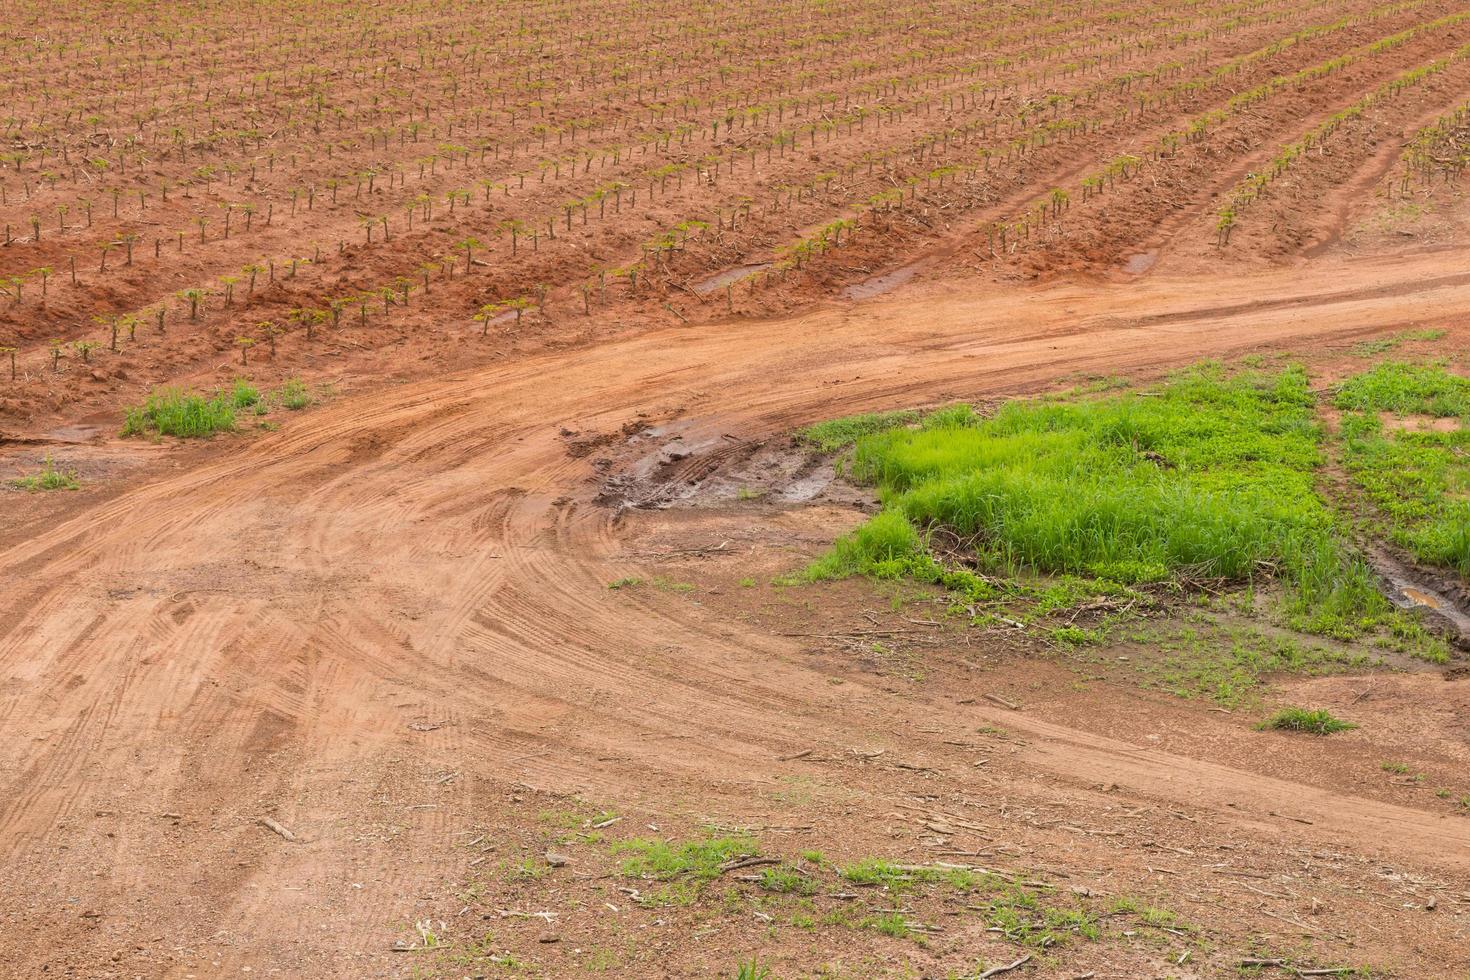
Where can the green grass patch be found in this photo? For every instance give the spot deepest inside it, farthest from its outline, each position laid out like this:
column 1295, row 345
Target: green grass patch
column 1417, row 481
column 786, row 879
column 294, row 395
column 700, row 861
column 891, row 924
column 191, row 415
column 1382, row 345
column 751, row 970
column 175, row 412
column 1317, row 721
column 49, row 477
column 1406, row 389
column 1228, row 664
column 1208, row 476
column 837, row 434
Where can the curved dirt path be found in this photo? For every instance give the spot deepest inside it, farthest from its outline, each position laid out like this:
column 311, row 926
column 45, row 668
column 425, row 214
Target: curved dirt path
column 418, row 575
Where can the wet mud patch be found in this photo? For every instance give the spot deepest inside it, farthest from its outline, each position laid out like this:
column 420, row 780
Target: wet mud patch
column 1440, row 596
column 655, row 467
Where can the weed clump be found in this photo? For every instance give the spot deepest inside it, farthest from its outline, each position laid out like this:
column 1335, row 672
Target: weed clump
column 175, row 412
column 700, row 860
column 186, row 414
column 49, row 477
column 1314, row 722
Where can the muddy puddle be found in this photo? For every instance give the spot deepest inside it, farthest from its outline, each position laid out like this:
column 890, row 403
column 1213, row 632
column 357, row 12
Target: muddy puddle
column 729, row 277
column 885, row 283
column 674, row 465
column 1437, row 593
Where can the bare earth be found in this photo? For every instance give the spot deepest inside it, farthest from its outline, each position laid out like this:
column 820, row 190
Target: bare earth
column 347, row 693
column 388, row 628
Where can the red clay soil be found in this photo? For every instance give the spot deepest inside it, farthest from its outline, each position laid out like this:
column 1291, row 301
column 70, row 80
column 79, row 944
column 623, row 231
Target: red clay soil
column 387, row 627
column 349, row 695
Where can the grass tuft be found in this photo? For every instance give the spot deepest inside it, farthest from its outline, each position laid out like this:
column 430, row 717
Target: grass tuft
column 187, row 414
column 49, row 477
column 175, row 412
column 1314, row 722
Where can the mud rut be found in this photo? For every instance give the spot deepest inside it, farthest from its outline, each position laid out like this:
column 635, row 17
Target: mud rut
column 424, row 569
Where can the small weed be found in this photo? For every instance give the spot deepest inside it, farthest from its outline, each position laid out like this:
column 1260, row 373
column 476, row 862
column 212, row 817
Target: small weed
column 786, row 879
column 50, row 477
column 751, row 970
column 745, row 493
column 630, row 582
column 1074, row 636
column 889, row 924
column 293, row 395
column 1314, row 722
column 244, row 395
column 1394, row 767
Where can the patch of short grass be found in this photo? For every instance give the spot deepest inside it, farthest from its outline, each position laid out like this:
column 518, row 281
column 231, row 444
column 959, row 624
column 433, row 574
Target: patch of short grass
column 1417, row 483
column 1382, row 345
column 786, row 879
column 294, row 395
column 752, row 970
column 1228, row 664
column 697, row 860
column 188, row 414
column 1406, row 389
column 48, row 477
column 837, row 434
column 1317, row 721
column 176, row 412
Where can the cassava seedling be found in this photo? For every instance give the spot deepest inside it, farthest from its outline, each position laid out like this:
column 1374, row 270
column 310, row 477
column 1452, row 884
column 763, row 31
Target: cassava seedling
column 192, row 296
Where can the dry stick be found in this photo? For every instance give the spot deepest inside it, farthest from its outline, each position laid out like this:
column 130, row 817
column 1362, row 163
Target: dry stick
column 748, row 863
column 275, row 827
column 998, row 970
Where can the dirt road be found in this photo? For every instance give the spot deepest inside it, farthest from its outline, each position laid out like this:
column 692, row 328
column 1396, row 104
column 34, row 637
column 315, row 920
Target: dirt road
column 415, row 578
